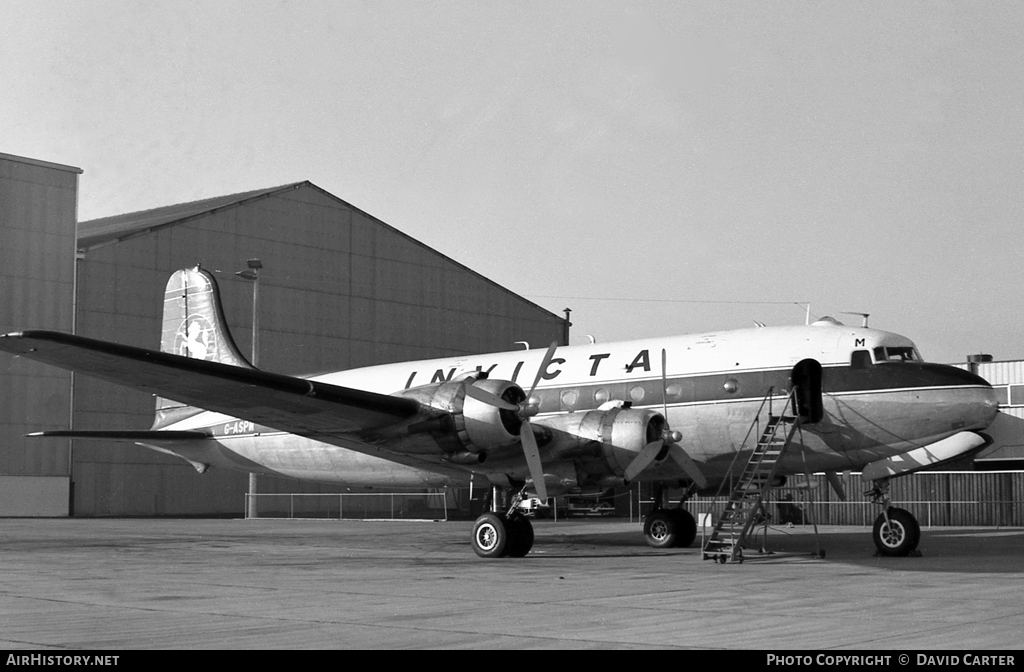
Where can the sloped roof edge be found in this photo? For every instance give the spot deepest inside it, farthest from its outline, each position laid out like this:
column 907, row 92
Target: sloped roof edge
column 105, row 231
column 109, row 230
column 38, row 162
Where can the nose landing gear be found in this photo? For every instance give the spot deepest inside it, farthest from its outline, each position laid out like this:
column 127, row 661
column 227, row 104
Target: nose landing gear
column 896, row 532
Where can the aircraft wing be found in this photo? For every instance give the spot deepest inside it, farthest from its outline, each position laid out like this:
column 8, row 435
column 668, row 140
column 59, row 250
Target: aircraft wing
column 286, row 403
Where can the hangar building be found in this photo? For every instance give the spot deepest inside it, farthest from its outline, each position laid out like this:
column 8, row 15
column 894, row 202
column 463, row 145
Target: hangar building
column 338, row 289
column 38, row 210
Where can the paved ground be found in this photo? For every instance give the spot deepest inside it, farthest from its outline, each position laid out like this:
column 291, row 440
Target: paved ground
column 157, row 583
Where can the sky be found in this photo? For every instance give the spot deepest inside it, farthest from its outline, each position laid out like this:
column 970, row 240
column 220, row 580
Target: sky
column 658, row 167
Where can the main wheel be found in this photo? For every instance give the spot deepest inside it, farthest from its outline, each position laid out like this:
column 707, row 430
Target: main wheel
column 661, row 529
column 686, row 528
column 491, row 536
column 520, row 537
column 899, row 536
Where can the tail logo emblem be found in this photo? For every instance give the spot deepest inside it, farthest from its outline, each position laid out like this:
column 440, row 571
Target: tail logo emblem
column 196, row 338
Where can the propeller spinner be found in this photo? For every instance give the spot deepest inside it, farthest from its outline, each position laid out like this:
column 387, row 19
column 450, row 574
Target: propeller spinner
column 524, row 411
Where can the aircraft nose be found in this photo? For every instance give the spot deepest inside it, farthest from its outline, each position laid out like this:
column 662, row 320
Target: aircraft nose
column 988, row 405
column 976, row 400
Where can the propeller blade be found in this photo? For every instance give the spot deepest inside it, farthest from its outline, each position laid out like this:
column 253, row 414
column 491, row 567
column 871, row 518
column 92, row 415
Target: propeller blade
column 532, row 453
column 490, row 399
column 664, row 384
column 548, row 356
column 676, row 452
column 643, row 459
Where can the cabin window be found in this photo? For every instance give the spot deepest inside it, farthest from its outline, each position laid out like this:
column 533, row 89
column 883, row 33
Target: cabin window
column 896, row 354
column 860, row 359
column 1016, row 395
column 1003, row 394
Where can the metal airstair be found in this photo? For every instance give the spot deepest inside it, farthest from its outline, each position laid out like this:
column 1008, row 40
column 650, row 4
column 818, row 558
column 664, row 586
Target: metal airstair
column 725, row 543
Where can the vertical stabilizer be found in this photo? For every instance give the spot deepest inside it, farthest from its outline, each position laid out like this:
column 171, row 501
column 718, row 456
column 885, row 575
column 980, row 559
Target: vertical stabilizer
column 194, row 326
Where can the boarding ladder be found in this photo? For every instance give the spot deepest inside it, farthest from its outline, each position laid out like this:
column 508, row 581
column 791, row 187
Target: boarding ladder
column 725, row 543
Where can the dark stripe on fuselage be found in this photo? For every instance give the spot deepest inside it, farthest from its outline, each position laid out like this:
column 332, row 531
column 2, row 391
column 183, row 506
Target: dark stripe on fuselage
column 732, row 386
column 721, row 387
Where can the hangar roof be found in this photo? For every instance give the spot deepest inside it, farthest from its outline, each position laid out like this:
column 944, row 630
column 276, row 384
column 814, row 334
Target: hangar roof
column 111, row 230
column 37, row 162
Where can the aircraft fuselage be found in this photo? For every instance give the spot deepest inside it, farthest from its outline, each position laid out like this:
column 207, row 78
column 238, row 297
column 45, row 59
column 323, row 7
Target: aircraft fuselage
column 876, row 399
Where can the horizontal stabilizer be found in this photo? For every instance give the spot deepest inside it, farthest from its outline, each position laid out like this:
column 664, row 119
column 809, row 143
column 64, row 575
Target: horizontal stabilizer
column 113, row 435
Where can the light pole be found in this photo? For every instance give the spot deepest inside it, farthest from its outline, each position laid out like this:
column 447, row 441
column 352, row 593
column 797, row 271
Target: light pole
column 253, row 274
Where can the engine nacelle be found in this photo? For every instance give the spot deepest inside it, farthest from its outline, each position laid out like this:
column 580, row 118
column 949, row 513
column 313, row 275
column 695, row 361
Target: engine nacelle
column 605, row 442
column 479, row 427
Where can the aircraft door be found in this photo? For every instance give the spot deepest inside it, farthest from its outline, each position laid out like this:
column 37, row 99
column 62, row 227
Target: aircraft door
column 806, row 380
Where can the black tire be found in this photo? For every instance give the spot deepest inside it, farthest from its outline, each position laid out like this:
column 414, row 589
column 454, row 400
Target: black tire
column 491, row 536
column 899, row 536
column 686, row 528
column 520, row 537
column 661, row 529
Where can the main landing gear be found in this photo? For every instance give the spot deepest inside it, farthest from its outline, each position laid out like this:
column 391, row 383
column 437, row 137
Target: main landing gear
column 499, row 535
column 669, row 528
column 896, row 531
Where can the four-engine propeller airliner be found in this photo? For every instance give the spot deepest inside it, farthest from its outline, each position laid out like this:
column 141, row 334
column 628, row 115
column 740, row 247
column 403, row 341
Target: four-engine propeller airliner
column 673, row 411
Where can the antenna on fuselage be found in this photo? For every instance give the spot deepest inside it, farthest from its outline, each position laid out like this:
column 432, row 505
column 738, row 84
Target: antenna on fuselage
column 864, row 317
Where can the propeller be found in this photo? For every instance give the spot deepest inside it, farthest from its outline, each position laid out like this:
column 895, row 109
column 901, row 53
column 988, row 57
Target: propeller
column 524, row 411
column 651, row 451
column 687, row 464
column 490, row 399
column 526, row 437
column 643, row 459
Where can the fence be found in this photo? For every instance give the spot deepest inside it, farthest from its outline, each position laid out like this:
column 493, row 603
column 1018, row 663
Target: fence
column 350, row 505
column 936, row 499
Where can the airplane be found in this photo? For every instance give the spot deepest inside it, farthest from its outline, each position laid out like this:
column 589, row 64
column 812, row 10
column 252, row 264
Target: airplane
column 545, row 422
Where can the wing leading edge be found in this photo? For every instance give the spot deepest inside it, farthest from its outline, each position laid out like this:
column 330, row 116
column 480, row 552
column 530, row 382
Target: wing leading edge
column 290, row 404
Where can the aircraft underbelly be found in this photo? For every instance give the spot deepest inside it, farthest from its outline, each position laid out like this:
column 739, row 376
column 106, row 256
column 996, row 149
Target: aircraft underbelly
column 306, row 459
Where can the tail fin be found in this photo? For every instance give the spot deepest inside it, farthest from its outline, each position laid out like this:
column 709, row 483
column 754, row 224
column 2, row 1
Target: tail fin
column 194, row 326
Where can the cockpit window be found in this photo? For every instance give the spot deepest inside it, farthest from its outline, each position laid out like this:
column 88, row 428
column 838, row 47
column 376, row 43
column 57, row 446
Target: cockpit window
column 896, row 354
column 860, row 359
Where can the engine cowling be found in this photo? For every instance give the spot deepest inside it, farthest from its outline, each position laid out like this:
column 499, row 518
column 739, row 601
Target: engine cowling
column 605, row 442
column 478, row 427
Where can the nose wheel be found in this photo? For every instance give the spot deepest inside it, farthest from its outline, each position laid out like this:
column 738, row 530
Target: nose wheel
column 896, row 533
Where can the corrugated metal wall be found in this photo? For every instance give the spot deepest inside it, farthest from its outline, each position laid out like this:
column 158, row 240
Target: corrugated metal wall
column 38, row 203
column 935, row 499
column 338, row 289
